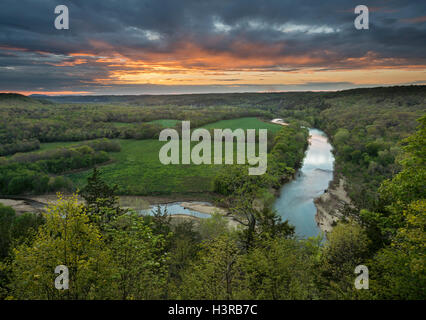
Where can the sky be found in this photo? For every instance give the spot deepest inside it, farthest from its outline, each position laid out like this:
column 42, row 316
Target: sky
column 199, row 46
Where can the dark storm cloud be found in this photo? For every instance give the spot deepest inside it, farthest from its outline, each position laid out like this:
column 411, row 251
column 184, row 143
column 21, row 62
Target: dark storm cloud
column 30, row 46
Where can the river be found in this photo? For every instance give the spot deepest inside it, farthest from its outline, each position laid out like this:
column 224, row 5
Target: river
column 177, row 208
column 296, row 200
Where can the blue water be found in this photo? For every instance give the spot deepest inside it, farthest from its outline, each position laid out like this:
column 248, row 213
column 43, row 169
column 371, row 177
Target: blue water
column 176, row 208
column 296, row 200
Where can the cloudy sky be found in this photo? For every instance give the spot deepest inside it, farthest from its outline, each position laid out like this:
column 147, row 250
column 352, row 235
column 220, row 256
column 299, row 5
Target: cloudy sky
column 193, row 46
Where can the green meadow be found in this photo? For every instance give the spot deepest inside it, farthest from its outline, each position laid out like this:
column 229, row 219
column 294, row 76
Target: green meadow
column 137, row 170
column 166, row 123
column 243, row 123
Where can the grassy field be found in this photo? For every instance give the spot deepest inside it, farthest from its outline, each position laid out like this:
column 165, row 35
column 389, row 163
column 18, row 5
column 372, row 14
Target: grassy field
column 166, row 123
column 243, row 123
column 137, row 170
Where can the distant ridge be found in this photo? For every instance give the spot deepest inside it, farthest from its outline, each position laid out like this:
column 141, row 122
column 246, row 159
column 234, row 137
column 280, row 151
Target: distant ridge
column 10, row 97
column 16, row 98
column 218, row 98
column 206, row 99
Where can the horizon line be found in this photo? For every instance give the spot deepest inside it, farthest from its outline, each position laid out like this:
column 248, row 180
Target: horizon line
column 87, row 94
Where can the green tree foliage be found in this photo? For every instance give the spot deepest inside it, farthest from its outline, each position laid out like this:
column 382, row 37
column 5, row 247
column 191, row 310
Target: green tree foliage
column 347, row 246
column 213, row 227
column 139, row 257
column 16, row 229
column 366, row 127
column 67, row 238
column 399, row 223
column 279, row 269
column 258, row 219
column 25, row 122
column 286, row 156
column 101, row 201
column 184, row 246
column 270, row 225
column 125, row 260
column 31, row 172
column 7, row 216
column 213, row 274
column 341, row 137
column 398, row 270
column 112, row 254
column 161, row 221
column 397, row 194
column 242, row 190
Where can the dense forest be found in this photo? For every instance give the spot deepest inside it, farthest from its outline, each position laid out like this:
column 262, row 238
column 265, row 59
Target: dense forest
column 25, row 122
column 40, row 172
column 366, row 125
column 379, row 143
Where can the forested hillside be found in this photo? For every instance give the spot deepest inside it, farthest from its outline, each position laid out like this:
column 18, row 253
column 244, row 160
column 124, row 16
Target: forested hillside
column 379, row 140
column 26, row 122
column 366, row 126
column 114, row 255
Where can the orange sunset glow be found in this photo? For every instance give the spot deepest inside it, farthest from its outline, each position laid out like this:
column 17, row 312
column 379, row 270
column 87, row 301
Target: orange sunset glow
column 211, row 52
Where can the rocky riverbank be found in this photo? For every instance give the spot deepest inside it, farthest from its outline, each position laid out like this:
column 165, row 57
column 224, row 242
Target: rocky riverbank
column 21, row 205
column 203, row 208
column 330, row 206
column 39, row 204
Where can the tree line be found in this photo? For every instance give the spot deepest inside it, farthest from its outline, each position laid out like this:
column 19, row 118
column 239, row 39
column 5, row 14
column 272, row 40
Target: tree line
column 26, row 122
column 40, row 172
column 112, row 253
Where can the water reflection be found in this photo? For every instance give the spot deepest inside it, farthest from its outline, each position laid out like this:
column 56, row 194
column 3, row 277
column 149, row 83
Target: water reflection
column 176, row 208
column 296, row 200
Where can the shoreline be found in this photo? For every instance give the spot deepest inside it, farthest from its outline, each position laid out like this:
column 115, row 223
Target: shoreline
column 43, row 199
column 204, row 208
column 32, row 203
column 38, row 203
column 331, row 204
